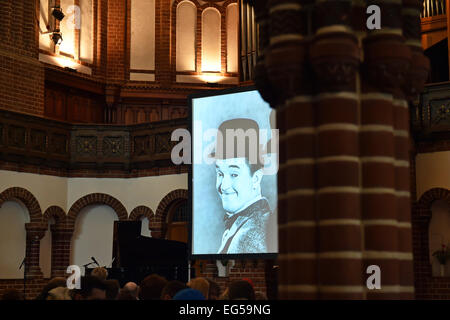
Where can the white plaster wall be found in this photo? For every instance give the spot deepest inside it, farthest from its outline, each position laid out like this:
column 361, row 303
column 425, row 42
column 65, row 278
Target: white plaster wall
column 147, row 191
column 48, row 190
column 211, row 39
column 44, row 39
column 145, row 231
column 86, row 31
column 13, row 217
column 432, row 171
column 45, row 254
column 93, row 235
column 185, row 39
column 232, row 38
column 142, row 55
column 439, row 232
column 63, row 192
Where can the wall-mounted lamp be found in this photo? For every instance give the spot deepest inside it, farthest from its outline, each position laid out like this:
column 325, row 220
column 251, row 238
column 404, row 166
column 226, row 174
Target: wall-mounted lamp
column 57, row 37
column 57, row 13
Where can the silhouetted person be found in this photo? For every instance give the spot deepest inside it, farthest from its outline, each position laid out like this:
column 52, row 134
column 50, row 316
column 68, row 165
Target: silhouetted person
column 133, row 289
column 100, row 272
column 200, row 284
column 112, row 289
column 171, row 289
column 151, row 287
column 214, row 290
column 241, row 290
column 124, row 294
column 52, row 284
column 92, row 288
column 189, row 294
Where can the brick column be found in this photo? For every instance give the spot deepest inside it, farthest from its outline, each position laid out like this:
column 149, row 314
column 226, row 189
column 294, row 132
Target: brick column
column 344, row 144
column 116, row 45
column 100, row 38
column 385, row 155
column 335, row 58
column 163, row 71
column 35, row 232
column 285, row 62
column 61, row 240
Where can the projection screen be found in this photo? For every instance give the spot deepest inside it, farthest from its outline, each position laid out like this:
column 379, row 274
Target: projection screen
column 233, row 180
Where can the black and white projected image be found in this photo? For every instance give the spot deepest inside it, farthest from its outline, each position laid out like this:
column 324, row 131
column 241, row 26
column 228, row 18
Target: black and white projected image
column 234, row 190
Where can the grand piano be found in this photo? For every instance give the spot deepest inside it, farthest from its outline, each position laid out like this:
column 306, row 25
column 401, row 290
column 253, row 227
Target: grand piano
column 136, row 256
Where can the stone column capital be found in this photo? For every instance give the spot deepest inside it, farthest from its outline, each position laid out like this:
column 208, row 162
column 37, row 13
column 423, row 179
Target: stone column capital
column 35, row 231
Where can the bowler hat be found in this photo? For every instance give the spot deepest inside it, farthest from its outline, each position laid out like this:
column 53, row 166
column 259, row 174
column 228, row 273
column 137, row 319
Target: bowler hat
column 238, row 138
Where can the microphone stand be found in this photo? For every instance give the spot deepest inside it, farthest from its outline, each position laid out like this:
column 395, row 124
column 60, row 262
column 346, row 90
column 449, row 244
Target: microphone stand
column 24, row 274
column 25, row 264
column 85, row 266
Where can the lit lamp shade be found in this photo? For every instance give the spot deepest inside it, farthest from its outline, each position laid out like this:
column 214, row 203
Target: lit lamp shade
column 57, row 37
column 58, row 14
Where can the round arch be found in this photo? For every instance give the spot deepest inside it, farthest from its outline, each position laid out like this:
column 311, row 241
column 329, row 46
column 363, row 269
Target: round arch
column 423, row 208
column 96, row 198
column 55, row 212
column 27, row 198
column 141, row 211
column 159, row 224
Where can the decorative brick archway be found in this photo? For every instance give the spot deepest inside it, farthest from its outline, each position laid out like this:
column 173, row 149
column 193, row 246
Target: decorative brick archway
column 27, row 198
column 96, row 198
column 140, row 211
column 55, row 212
column 159, row 224
column 427, row 286
column 63, row 233
column 423, row 208
column 35, row 228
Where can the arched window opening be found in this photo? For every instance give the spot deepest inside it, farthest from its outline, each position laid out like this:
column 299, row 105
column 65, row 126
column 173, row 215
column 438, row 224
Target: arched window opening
column 211, row 40
column 439, row 235
column 185, row 36
column 177, row 221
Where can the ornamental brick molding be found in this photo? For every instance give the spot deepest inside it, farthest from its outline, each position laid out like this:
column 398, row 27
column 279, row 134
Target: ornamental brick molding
column 158, row 224
column 56, row 213
column 27, row 198
column 96, row 198
column 141, row 211
column 426, row 200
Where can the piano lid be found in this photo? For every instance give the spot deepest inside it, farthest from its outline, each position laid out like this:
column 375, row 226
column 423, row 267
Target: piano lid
column 130, row 249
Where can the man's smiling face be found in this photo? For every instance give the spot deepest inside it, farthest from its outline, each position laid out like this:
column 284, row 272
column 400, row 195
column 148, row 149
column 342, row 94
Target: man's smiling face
column 234, row 183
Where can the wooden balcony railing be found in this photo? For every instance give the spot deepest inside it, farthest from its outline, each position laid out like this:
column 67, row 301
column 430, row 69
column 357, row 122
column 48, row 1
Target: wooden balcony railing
column 433, row 8
column 30, row 140
column 431, row 115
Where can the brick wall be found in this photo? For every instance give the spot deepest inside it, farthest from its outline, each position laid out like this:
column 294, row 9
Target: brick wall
column 255, row 270
column 32, row 289
column 116, row 40
column 21, row 75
